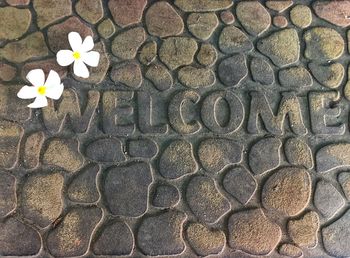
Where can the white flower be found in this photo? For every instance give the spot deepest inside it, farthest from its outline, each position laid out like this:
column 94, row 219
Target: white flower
column 80, row 55
column 51, row 88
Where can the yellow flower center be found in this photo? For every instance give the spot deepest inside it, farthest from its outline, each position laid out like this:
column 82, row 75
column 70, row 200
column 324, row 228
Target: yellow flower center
column 76, row 55
column 42, row 90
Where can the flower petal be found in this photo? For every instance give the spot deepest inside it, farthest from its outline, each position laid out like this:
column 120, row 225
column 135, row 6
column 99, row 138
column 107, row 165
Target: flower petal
column 88, row 44
column 55, row 92
column 91, row 58
column 36, row 77
column 75, row 41
column 39, row 102
column 65, row 57
column 80, row 69
column 27, row 92
column 53, row 79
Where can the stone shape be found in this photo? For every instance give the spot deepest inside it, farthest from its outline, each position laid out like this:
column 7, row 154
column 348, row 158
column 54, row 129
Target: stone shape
column 162, row 234
column 41, row 198
column 335, row 12
column 32, row 149
column 7, row 194
column 177, row 160
column 323, row 44
column 64, row 154
column 279, row 5
column 83, row 186
column 207, row 54
column 128, row 73
column 177, row 51
column 32, row 46
column 233, row 40
column 205, row 241
column 116, row 238
column 17, row 2
column 127, row 12
column 239, row 183
column 329, row 75
column 14, row 22
column 90, row 10
column 148, row 53
column 97, row 74
column 295, row 77
column 58, row 34
column 11, row 107
column 280, row 21
column 126, row 188
column 163, row 21
column 264, row 155
column 303, row 231
column 18, row 239
column 287, row 191
column 336, row 236
column 282, row 47
column 298, row 153
column 344, row 180
column 10, row 136
column 205, row 201
column 203, row 5
column 106, row 28
column 50, row 11
column 71, row 236
column 217, row 153
column 241, row 226
column 333, row 156
column 202, row 25
column 46, row 65
column 347, row 85
column 253, row 16
column 105, row 150
column 166, row 196
column 233, row 70
column 160, row 77
column 327, row 199
column 193, row 77
column 301, row 16
column 126, row 44
column 7, row 72
column 290, row 251
column 261, row 71
column 227, row 17
column 142, row 148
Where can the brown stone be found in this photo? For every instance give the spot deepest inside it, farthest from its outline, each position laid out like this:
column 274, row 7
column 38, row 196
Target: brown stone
column 290, row 251
column 10, row 136
column 32, row 149
column 336, row 12
column 279, row 5
column 126, row 44
column 106, row 29
column 227, row 17
column 128, row 74
column 203, row 5
column 14, row 22
column 196, row 77
column 58, row 34
column 163, row 21
column 7, row 72
column 148, row 53
column 31, row 46
column 207, row 54
column 202, row 25
column 160, row 77
column 303, row 231
column 18, row 2
column 301, row 16
column 251, row 232
column 127, row 12
column 90, row 10
column 280, row 21
column 287, row 191
column 64, row 154
column 41, row 199
column 49, row 11
column 7, row 194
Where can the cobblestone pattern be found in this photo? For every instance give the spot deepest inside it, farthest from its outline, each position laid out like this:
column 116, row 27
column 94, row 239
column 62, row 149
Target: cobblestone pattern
column 208, row 128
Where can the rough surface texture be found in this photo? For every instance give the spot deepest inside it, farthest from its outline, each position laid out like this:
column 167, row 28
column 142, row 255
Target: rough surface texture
column 209, row 128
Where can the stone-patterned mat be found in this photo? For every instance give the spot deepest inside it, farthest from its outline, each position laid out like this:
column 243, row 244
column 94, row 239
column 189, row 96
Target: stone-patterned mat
column 210, row 127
